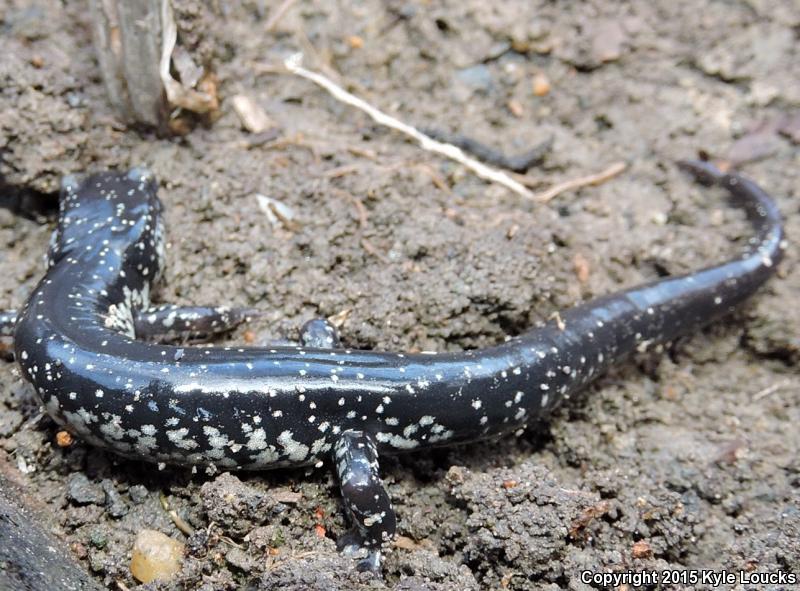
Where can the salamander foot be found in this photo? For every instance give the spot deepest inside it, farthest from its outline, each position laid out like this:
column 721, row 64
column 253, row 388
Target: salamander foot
column 318, row 333
column 365, row 498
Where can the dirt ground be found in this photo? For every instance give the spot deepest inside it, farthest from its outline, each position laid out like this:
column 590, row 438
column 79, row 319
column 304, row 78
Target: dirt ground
column 683, row 460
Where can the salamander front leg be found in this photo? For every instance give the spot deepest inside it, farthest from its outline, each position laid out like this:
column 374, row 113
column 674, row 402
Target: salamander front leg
column 365, row 498
column 8, row 319
column 169, row 322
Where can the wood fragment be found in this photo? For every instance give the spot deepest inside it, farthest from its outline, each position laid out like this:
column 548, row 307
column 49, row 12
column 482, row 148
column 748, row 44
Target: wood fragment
column 582, row 267
column 584, row 181
column 579, row 525
column 559, row 321
column 179, row 522
column 128, row 43
column 277, row 213
column 367, row 245
column 293, row 64
column 357, row 203
column 136, row 46
column 769, row 390
column 254, row 119
column 340, row 318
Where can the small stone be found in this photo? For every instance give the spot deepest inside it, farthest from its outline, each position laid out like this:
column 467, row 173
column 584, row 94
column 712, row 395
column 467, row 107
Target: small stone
column 97, row 562
column 541, row 85
column 98, row 539
column 155, row 556
column 355, row 41
column 266, row 536
column 115, row 506
column 138, row 493
column 82, row 491
column 609, row 39
column 10, row 420
column 239, row 559
column 476, row 77
column 516, row 108
column 235, row 506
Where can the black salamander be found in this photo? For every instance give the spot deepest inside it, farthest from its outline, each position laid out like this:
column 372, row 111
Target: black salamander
column 78, row 342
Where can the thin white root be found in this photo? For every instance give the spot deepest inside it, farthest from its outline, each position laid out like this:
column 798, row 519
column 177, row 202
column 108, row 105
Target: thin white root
column 584, row 181
column 293, row 64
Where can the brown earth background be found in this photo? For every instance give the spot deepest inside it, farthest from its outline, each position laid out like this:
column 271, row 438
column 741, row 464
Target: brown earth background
column 683, row 460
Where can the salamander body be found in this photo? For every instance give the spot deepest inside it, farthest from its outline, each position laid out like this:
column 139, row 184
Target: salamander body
column 77, row 342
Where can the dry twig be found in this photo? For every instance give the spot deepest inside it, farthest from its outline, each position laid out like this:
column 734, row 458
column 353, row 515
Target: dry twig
column 277, row 15
column 485, row 172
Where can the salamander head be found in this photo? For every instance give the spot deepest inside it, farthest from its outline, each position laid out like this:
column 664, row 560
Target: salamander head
column 117, row 210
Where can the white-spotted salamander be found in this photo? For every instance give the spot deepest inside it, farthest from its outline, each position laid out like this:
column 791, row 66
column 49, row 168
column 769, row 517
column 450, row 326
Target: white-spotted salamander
column 78, row 342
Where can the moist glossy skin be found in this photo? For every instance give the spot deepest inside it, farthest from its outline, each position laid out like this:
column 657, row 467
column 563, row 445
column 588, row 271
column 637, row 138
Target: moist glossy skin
column 257, row 408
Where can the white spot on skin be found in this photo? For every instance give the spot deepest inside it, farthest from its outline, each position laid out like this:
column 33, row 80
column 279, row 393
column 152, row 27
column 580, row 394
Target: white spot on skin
column 396, row 441
column 294, row 450
column 178, row 438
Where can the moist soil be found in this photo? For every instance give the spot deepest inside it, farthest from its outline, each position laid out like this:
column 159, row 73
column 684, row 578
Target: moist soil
column 685, row 458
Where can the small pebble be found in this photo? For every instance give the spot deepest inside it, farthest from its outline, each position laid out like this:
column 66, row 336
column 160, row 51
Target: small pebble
column 515, row 107
column 63, row 439
column 476, row 77
column 239, row 559
column 355, row 41
column 98, row 539
column 155, row 556
column 541, row 85
column 10, row 420
column 115, row 506
column 138, row 493
column 82, row 491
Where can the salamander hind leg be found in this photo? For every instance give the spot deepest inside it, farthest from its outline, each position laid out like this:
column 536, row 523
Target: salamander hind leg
column 365, row 498
column 169, row 322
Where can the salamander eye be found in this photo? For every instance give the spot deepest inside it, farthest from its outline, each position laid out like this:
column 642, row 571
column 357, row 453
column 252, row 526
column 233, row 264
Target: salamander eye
column 140, row 174
column 69, row 184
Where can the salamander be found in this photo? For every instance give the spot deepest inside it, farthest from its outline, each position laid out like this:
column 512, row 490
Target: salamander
column 81, row 341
